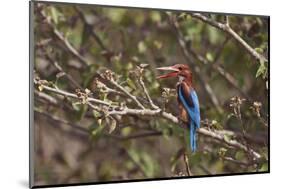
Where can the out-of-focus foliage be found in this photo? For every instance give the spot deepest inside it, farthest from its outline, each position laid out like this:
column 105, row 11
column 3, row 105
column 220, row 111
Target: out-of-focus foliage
column 115, row 149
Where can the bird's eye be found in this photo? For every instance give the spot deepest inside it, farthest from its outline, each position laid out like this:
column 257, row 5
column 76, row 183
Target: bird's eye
column 180, row 68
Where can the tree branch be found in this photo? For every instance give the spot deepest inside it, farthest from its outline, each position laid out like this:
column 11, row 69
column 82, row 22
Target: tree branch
column 59, row 68
column 146, row 94
column 119, row 87
column 66, row 43
column 241, row 163
column 67, row 94
column 219, row 69
column 185, row 158
column 226, row 28
column 46, row 97
column 149, row 112
column 59, row 120
column 92, row 32
column 232, row 143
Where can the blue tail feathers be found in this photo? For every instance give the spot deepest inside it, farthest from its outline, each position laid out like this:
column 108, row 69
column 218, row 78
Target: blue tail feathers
column 193, row 111
column 192, row 137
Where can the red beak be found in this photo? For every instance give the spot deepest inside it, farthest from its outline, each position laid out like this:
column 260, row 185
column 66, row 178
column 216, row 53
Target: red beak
column 174, row 72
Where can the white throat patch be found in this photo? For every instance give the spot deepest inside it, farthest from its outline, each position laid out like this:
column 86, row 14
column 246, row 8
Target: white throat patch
column 181, row 78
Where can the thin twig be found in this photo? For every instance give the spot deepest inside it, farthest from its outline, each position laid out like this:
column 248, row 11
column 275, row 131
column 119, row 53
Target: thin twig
column 146, row 94
column 81, row 135
column 185, row 158
column 64, row 40
column 220, row 49
column 134, row 98
column 59, row 68
column 226, row 28
column 219, row 69
column 46, row 97
column 241, row 163
column 137, row 135
column 59, row 120
column 92, row 32
column 72, row 95
column 257, row 140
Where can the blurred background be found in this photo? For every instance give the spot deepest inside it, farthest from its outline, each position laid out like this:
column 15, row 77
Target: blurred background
column 76, row 44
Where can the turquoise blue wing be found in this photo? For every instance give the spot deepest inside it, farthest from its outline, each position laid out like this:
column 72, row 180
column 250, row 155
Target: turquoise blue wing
column 189, row 99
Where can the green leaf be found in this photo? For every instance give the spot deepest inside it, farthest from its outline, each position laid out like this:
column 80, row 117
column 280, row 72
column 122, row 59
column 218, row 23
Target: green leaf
column 97, row 131
column 182, row 16
column 131, row 84
column 155, row 16
column 96, row 114
column 222, row 151
column 264, row 167
column 158, row 44
column 76, row 106
column 81, row 109
column 54, row 14
column 141, row 47
column 259, row 50
column 112, row 125
column 214, row 35
column 227, row 138
column 239, row 155
column 167, row 133
column 262, row 71
column 126, row 131
column 116, row 15
column 209, row 57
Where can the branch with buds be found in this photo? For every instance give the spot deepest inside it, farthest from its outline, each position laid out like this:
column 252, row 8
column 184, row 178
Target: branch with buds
column 108, row 109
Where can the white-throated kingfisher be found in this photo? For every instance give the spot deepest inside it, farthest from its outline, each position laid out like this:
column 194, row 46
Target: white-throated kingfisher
column 189, row 110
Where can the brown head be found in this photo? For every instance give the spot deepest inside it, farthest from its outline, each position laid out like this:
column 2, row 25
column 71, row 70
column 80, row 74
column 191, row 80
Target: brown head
column 182, row 71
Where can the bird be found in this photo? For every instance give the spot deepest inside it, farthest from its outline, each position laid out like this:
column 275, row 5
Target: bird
column 189, row 108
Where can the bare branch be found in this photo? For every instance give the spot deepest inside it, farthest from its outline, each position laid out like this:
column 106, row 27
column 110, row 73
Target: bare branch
column 157, row 112
column 232, row 143
column 60, row 36
column 241, row 163
column 146, row 94
column 72, row 95
column 59, row 120
column 59, row 68
column 226, row 28
column 185, row 158
column 137, row 135
column 134, row 98
column 46, row 97
column 220, row 49
column 255, row 139
column 219, row 69
column 92, row 32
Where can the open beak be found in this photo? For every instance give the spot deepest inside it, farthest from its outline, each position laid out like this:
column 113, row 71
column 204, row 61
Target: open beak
column 173, row 73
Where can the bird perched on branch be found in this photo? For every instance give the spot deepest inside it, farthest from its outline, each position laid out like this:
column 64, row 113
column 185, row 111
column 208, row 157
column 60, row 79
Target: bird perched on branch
column 188, row 101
